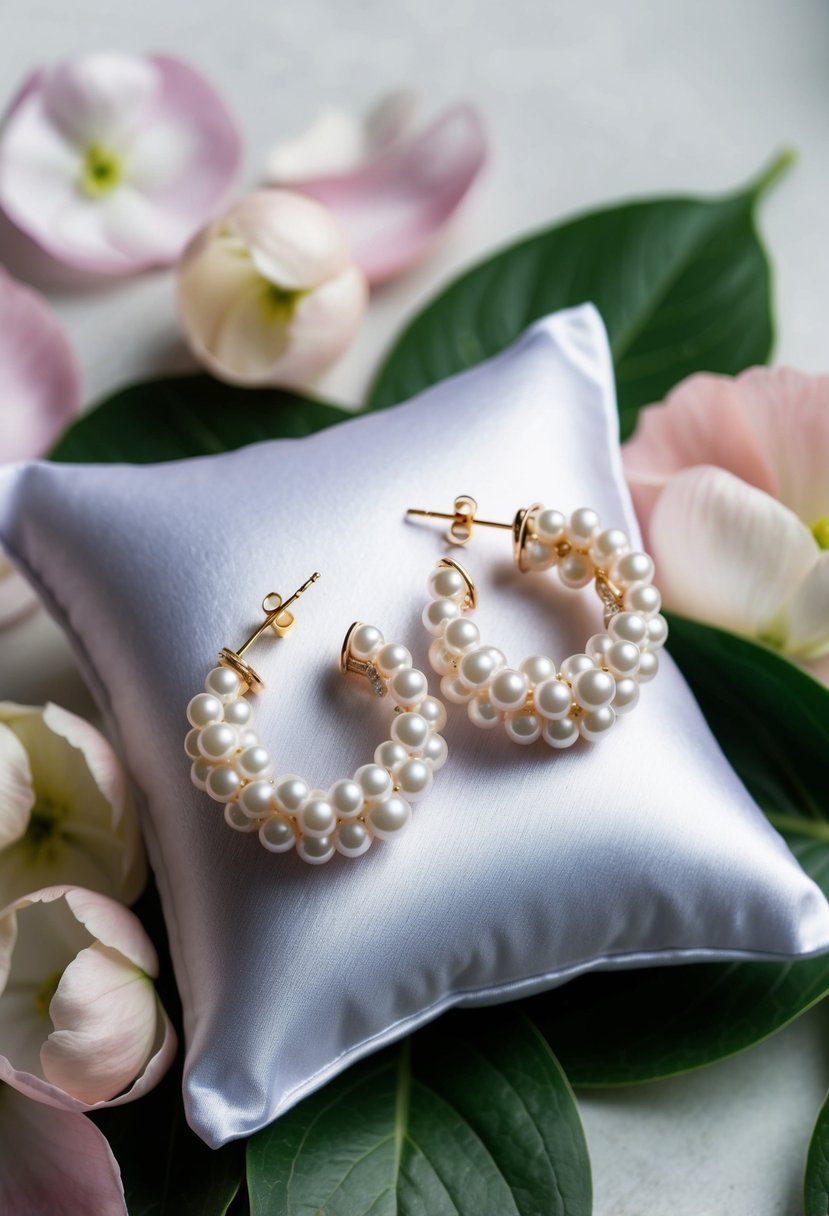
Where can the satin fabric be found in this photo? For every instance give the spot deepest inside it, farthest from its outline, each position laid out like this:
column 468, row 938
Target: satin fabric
column 524, row 866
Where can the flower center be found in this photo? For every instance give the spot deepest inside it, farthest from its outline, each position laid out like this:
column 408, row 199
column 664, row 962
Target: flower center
column 101, row 171
column 820, row 531
column 281, row 301
column 45, row 824
column 44, row 994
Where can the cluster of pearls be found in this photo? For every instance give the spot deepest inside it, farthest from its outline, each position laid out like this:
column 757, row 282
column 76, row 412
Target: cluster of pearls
column 232, row 766
column 583, row 696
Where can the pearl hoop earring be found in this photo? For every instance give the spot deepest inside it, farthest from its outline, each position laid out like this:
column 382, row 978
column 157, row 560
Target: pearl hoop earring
column 229, row 763
column 582, row 697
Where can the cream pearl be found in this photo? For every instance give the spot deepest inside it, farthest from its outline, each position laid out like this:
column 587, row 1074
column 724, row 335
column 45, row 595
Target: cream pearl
column 365, row 641
column 553, row 699
column 253, row 762
column 627, row 695
column 442, row 659
column 642, row 598
column 622, row 658
column 408, row 687
column 191, row 743
column 223, row 684
column 595, row 722
column 454, row 691
column 236, row 818
column 560, row 733
column 290, row 793
column 247, row 738
column 238, row 713
column 575, row 663
column 392, row 658
column 389, row 818
column 411, row 730
column 438, row 613
column 482, row 713
column 581, row 526
column 594, row 689
column 434, row 711
column 498, row 656
column 523, row 727
column 436, row 752
column 607, row 545
column 374, row 781
column 548, row 525
column 461, row 635
column 628, row 627
column 389, row 754
column 575, row 570
column 277, row 834
column 223, row 783
column 352, row 839
column 476, row 668
column 257, row 799
column 204, row 709
column 218, row 741
column 648, row 667
column 317, row 817
column 316, row 850
column 413, row 779
column 632, row 568
column 200, row 770
column 598, row 646
column 537, row 556
column 446, row 583
column 346, row 797
column 657, row 632
column 509, row 689
column 538, row 667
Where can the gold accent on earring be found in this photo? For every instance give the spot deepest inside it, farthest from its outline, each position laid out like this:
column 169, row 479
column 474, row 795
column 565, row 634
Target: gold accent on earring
column 278, row 619
column 360, row 667
column 471, row 598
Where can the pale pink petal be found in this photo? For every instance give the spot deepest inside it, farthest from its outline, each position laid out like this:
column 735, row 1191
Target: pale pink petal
column 727, row 553
column 100, row 759
column 293, row 241
column 17, row 797
column 805, row 616
column 54, row 1162
column 324, row 325
column 211, row 277
column 40, row 388
column 99, row 97
column 114, row 926
column 395, row 207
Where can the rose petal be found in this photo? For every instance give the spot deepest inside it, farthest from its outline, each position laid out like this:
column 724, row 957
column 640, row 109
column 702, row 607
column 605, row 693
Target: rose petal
column 40, row 378
column 395, row 207
column 54, row 1161
column 17, row 796
column 727, row 553
column 805, row 618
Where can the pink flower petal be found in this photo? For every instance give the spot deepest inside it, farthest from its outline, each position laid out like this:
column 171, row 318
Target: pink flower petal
column 103, row 96
column 727, row 553
column 17, row 797
column 395, row 207
column 293, row 242
column 806, row 614
column 54, row 1161
column 38, row 372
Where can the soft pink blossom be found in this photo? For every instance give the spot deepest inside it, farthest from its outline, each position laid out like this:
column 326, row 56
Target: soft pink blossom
column 268, row 293
column 730, row 478
column 111, row 161
column 394, row 188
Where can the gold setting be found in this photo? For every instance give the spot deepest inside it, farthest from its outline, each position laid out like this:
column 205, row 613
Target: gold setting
column 279, row 620
column 360, row 667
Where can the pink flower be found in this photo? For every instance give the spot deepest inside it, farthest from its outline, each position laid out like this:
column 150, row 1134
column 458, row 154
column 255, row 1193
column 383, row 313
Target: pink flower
column 730, row 478
column 112, row 161
column 393, row 189
column 268, row 293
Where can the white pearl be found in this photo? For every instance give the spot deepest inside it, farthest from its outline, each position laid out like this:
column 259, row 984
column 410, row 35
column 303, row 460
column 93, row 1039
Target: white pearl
column 191, row 743
column 204, row 709
column 257, row 799
column 538, row 667
column 627, row 695
column 498, row 656
column 657, row 632
column 290, row 793
column 434, row 711
column 408, row 687
column 453, row 690
column 523, row 727
column 253, row 762
column 248, row 738
column 553, row 699
column 278, row 834
column 537, row 556
column 236, row 818
column 446, row 583
column 223, row 783
column 374, row 781
column 365, row 641
column 317, row 817
column 594, row 689
column 476, row 668
column 413, row 779
column 390, row 754
column 575, row 663
column 346, row 797
column 438, row 613
column 648, row 666
column 598, row 646
column 441, row 659
column 643, row 598
column 461, row 635
column 560, row 733
column 581, row 526
column 238, row 713
column 436, row 752
column 595, row 722
column 607, row 545
column 628, row 627
column 411, row 730
column 218, row 741
column 575, row 570
column 223, row 684
column 316, row 850
column 200, row 770
column 622, row 658
column 548, row 525
column 392, row 658
column 352, row 839
column 632, row 568
column 482, row 712
column 509, row 689
column 389, row 818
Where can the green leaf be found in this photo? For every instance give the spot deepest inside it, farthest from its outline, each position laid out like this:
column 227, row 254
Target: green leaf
column 184, row 416
column 816, row 1182
column 471, row 1117
column 682, row 285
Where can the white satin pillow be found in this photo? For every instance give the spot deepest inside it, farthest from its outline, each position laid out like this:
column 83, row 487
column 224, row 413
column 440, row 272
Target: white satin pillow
column 524, row 866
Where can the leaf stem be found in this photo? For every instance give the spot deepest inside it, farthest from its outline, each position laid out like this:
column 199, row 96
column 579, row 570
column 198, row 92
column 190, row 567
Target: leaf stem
column 816, row 829
column 778, row 167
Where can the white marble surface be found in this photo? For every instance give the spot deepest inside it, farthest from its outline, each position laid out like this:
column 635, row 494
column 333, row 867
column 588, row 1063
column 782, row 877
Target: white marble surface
column 586, row 103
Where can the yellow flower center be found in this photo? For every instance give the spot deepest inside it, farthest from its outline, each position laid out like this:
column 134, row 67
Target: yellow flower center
column 44, row 994
column 45, row 824
column 820, row 531
column 101, row 171
column 281, row 301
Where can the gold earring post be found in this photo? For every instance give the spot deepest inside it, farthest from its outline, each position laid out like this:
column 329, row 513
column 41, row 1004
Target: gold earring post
column 463, row 519
column 479, row 523
column 277, row 618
